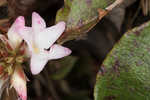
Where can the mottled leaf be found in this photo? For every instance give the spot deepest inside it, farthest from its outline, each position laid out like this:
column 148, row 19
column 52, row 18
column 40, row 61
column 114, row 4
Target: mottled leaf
column 125, row 74
column 81, row 16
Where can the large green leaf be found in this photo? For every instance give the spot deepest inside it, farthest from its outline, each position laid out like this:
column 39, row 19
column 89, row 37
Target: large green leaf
column 125, row 74
column 80, row 16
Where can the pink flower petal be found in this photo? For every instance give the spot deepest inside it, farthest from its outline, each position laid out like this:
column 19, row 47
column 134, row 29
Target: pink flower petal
column 58, row 51
column 47, row 37
column 37, row 63
column 38, row 22
column 18, row 81
column 13, row 36
column 27, row 34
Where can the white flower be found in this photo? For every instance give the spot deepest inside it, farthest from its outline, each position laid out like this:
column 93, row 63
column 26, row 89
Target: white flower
column 40, row 41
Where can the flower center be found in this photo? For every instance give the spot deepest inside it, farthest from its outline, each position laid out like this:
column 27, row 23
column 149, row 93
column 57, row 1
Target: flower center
column 35, row 49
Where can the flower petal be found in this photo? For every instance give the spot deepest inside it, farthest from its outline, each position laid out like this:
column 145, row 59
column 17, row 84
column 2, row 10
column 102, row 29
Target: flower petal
column 38, row 22
column 58, row 51
column 27, row 34
column 47, row 37
column 13, row 36
column 18, row 81
column 38, row 61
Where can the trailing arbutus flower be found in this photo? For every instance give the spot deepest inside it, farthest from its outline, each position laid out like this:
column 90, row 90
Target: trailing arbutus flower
column 39, row 45
column 40, row 41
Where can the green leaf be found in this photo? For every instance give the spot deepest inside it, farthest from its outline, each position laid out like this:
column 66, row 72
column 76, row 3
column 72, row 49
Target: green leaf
column 80, row 16
column 125, row 73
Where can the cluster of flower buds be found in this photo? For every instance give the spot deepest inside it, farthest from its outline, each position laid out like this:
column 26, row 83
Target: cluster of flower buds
column 38, row 45
column 12, row 54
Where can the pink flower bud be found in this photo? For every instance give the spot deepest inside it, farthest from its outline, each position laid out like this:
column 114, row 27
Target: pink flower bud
column 18, row 81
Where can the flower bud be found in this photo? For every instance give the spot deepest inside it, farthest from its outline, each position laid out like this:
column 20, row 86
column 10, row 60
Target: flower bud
column 18, row 81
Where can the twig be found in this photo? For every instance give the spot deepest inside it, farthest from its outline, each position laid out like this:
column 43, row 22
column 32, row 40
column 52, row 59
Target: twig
column 117, row 2
column 103, row 12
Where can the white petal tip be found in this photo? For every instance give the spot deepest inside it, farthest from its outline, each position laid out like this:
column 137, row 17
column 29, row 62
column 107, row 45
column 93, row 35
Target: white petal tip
column 20, row 18
column 35, row 71
column 67, row 51
column 61, row 24
column 20, row 21
column 37, row 65
column 34, row 13
column 38, row 22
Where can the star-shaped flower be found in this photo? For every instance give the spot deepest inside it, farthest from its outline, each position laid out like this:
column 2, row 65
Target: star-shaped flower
column 40, row 41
